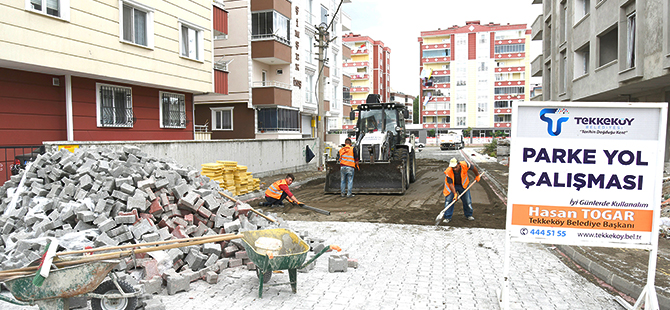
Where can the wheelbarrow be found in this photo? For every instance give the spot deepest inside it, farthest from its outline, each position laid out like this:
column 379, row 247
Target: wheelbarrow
column 82, row 279
column 291, row 256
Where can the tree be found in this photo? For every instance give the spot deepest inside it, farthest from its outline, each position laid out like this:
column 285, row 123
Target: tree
column 415, row 111
column 467, row 132
column 431, row 133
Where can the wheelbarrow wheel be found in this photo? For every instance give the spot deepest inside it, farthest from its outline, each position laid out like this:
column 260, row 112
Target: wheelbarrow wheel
column 264, row 276
column 108, row 287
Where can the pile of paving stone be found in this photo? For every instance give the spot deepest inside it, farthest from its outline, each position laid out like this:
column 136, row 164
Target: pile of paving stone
column 100, row 197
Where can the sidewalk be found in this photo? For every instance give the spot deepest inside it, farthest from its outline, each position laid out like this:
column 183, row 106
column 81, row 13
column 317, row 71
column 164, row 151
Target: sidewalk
column 625, row 270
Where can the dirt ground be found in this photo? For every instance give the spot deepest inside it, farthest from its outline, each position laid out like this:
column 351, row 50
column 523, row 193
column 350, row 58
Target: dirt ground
column 422, row 202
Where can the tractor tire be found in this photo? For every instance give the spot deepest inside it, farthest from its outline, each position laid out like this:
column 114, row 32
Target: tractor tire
column 412, row 167
column 108, row 287
column 404, row 155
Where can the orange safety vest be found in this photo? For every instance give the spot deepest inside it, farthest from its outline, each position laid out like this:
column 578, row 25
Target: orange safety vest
column 274, row 191
column 449, row 172
column 347, row 156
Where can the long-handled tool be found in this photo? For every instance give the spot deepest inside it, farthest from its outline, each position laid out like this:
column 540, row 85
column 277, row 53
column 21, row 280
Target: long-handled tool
column 439, row 216
column 304, row 206
column 252, row 209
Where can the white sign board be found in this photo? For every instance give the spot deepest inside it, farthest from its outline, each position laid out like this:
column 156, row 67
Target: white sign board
column 586, row 173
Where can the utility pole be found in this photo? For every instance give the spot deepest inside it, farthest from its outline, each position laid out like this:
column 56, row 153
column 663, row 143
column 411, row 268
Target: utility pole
column 322, row 39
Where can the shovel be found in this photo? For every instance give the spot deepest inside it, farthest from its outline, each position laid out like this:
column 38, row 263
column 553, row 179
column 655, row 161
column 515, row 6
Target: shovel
column 304, row 206
column 439, row 216
column 252, row 209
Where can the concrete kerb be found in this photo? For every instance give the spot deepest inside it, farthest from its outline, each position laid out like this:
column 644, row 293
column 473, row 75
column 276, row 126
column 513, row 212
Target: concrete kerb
column 601, row 273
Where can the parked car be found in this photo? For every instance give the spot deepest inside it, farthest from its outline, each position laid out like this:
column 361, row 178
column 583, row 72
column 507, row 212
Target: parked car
column 20, row 161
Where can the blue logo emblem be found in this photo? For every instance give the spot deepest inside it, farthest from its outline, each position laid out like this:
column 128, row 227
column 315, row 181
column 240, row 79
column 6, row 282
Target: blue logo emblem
column 550, row 121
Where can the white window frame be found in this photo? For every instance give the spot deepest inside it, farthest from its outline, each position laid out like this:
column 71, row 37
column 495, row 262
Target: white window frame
column 221, row 109
column 200, row 35
column 150, row 22
column 63, row 9
column 461, row 121
column 160, row 110
column 98, row 104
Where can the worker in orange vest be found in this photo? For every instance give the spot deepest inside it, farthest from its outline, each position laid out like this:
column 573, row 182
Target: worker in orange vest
column 276, row 193
column 348, row 158
column 456, row 180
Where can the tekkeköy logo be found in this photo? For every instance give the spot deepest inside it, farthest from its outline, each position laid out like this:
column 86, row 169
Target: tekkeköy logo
column 556, row 115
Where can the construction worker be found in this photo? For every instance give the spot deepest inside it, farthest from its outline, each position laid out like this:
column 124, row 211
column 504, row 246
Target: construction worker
column 456, row 180
column 276, row 193
column 348, row 159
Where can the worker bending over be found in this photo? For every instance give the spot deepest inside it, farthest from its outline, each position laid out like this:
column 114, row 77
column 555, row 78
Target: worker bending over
column 276, row 193
column 456, row 180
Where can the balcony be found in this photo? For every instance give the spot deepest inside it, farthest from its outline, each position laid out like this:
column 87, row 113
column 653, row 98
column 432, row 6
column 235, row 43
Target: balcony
column 437, row 86
column 537, row 1
column 360, row 51
column 357, row 102
column 441, row 72
column 435, row 60
column 502, row 111
column 503, row 125
column 346, row 21
column 510, row 97
column 436, row 113
column 271, row 52
column 537, row 27
column 510, row 56
column 435, row 46
column 271, row 93
column 509, row 69
column 359, row 89
column 360, row 77
column 536, row 66
column 510, row 83
column 356, row 64
column 436, row 125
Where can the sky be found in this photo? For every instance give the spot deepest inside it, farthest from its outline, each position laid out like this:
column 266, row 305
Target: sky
column 399, row 24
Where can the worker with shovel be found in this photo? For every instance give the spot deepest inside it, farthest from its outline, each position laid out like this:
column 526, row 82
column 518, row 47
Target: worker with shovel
column 456, row 183
column 276, row 193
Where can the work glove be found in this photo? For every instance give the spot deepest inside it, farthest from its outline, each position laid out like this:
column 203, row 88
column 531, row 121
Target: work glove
column 477, row 178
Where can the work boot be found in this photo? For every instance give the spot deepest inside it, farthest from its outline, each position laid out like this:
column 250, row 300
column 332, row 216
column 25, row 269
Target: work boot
column 350, row 195
column 262, row 203
column 446, row 221
column 343, row 195
column 470, row 218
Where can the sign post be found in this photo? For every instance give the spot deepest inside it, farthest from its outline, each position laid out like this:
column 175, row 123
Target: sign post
column 588, row 174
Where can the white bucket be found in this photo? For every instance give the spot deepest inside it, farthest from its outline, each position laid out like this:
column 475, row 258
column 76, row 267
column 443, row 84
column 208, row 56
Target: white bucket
column 268, row 246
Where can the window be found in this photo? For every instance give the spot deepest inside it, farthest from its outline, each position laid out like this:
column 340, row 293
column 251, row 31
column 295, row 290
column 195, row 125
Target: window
column 546, row 95
column 191, row 37
column 309, row 89
column 482, row 107
column 437, row 53
column 278, row 119
column 482, row 66
column 461, row 108
column 332, row 123
column 460, row 83
column 510, row 48
column 502, row 104
column 114, row 105
column 509, row 90
column 441, row 79
column 172, row 110
column 310, row 3
column 564, row 22
column 445, row 120
column 136, row 23
column 563, row 72
column 270, row 25
column 55, row 8
column 222, row 118
column 582, row 58
column 502, row 118
column 509, row 34
column 460, row 121
column 309, row 47
column 609, row 44
column 582, row 8
column 630, row 36
column 333, row 103
column 324, row 15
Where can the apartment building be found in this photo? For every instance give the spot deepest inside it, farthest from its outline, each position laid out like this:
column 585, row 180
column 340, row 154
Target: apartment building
column 470, row 76
column 407, row 100
column 271, row 69
column 604, row 50
column 102, row 70
column 369, row 69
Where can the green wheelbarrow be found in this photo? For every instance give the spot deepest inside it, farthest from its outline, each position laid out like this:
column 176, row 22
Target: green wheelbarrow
column 291, row 256
column 83, row 279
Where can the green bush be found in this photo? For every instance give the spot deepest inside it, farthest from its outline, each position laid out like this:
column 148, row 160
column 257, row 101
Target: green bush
column 491, row 149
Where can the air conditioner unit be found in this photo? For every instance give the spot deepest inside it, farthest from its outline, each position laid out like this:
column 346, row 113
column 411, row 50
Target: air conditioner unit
column 55, row 82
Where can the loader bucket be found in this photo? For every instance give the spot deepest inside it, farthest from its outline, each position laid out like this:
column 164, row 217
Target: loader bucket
column 378, row 178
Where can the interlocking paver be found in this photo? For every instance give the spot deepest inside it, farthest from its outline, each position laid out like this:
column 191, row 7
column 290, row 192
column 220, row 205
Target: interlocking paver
column 447, row 269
